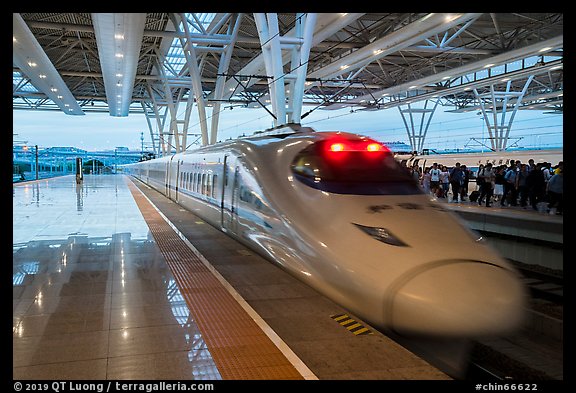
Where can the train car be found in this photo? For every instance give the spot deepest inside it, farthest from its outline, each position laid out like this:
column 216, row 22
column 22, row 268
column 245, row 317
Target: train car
column 337, row 211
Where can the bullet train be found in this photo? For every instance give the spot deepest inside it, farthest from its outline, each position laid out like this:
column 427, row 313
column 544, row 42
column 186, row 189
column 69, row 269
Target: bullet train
column 340, row 213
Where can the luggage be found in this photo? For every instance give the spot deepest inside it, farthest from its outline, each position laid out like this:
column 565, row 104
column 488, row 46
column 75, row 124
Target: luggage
column 474, row 196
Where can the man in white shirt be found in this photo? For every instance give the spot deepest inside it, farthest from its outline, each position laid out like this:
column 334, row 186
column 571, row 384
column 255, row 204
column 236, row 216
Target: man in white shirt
column 434, row 178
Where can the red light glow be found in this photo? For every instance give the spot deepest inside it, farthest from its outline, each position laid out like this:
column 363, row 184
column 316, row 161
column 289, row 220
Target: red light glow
column 337, row 147
column 342, row 147
column 374, row 147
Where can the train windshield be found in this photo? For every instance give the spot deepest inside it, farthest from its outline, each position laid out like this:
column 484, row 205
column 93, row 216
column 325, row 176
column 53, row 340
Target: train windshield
column 353, row 166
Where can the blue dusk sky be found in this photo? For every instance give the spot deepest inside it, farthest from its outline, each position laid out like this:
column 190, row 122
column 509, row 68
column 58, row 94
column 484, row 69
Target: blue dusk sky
column 100, row 131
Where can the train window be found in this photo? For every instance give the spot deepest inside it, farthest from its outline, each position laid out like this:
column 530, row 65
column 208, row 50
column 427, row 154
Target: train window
column 198, row 190
column 352, row 166
column 203, row 184
column 214, row 179
column 209, row 185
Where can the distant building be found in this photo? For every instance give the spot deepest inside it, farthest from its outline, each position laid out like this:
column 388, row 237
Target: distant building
column 398, row 147
column 64, row 149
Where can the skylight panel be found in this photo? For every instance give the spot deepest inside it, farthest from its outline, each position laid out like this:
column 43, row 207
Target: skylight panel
column 23, row 83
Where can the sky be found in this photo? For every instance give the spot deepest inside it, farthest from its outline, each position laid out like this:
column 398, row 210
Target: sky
column 100, row 131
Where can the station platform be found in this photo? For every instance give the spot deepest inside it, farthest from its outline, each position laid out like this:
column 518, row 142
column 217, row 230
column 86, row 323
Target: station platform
column 520, row 234
column 111, row 280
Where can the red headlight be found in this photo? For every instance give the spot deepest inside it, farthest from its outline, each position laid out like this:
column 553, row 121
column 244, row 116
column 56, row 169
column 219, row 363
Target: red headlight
column 337, row 147
column 366, row 145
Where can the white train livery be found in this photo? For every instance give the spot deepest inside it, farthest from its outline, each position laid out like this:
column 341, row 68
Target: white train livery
column 338, row 211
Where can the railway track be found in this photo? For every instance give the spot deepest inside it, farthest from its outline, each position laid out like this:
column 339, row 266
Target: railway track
column 543, row 284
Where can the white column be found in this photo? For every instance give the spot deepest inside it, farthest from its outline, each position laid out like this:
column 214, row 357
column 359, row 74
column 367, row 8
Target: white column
column 272, row 45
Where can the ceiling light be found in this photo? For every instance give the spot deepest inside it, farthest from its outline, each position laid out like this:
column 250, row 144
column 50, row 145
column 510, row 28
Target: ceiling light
column 29, row 57
column 119, row 39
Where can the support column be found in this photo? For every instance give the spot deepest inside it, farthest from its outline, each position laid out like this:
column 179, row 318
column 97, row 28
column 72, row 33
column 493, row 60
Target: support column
column 219, row 43
column 172, row 99
column 221, row 78
column 417, row 129
column 497, row 103
column 164, row 138
column 286, row 89
column 194, row 70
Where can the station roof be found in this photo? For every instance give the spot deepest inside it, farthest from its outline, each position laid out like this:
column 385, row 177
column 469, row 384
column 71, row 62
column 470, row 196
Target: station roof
column 368, row 61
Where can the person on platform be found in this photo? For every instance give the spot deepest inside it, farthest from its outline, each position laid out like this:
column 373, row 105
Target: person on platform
column 536, row 183
column 499, row 182
column 555, row 190
column 426, row 181
column 521, row 184
column 510, row 193
column 464, row 188
column 435, row 178
column 456, row 177
column 559, row 167
column 445, row 181
column 487, row 189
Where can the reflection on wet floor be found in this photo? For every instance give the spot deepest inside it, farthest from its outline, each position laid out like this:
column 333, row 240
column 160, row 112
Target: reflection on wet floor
column 93, row 297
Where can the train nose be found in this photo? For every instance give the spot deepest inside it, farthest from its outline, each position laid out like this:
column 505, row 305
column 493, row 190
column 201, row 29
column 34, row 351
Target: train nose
column 468, row 299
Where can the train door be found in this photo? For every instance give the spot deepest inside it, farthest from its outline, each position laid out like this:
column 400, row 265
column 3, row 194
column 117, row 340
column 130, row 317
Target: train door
column 167, row 179
column 229, row 204
column 224, row 186
column 172, row 178
column 233, row 225
column 177, row 179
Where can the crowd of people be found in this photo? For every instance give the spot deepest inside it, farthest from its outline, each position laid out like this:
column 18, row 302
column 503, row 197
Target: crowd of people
column 539, row 186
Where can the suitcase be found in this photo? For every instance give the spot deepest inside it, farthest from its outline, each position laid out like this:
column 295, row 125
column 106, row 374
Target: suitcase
column 474, row 196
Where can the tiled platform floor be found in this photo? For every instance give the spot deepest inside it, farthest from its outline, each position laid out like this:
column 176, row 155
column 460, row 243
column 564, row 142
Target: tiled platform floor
column 92, row 295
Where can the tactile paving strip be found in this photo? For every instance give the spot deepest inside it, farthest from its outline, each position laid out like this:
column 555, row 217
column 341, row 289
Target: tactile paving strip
column 240, row 349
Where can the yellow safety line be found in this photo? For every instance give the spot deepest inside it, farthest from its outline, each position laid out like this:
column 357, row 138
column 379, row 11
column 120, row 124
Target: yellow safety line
column 239, row 347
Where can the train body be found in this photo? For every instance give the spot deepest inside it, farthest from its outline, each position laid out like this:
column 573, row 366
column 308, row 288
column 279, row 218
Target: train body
column 337, row 211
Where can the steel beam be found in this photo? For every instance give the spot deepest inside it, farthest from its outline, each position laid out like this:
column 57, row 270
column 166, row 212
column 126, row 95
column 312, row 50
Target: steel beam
column 221, row 78
column 502, row 58
column 327, row 24
column 299, row 50
column 400, row 39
